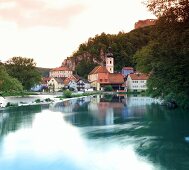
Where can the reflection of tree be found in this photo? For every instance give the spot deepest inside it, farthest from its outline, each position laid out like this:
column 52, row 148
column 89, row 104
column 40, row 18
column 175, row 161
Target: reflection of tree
column 18, row 116
column 158, row 136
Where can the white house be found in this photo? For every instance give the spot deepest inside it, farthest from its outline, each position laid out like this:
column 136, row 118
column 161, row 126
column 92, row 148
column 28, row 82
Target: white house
column 137, row 82
column 83, row 85
column 60, row 72
column 56, row 84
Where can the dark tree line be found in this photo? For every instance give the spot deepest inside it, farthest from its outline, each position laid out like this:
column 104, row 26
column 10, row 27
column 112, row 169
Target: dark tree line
column 166, row 58
column 18, row 74
column 124, row 46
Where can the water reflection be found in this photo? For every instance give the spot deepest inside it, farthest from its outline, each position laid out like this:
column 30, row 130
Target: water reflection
column 97, row 132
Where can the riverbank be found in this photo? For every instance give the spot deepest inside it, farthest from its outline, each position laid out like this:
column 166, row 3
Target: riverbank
column 40, row 99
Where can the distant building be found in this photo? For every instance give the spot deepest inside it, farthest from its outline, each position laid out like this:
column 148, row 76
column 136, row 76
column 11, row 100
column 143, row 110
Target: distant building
column 60, row 72
column 126, row 71
column 137, row 82
column 83, row 85
column 102, row 76
column 110, row 61
column 144, row 23
column 56, row 84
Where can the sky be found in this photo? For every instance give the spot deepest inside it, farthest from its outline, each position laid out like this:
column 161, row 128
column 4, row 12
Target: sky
column 49, row 31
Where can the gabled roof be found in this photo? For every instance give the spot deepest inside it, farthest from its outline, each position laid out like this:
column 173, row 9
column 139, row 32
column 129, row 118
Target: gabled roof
column 127, row 68
column 116, row 78
column 139, row 76
column 99, row 69
column 67, row 81
column 63, row 68
column 74, row 77
column 59, row 79
column 83, row 80
column 45, row 79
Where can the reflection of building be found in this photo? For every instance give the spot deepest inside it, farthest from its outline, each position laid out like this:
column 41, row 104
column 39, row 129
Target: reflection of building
column 105, row 111
column 139, row 101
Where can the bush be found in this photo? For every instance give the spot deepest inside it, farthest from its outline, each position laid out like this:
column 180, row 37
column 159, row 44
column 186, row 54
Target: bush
column 108, row 88
column 67, row 93
column 37, row 100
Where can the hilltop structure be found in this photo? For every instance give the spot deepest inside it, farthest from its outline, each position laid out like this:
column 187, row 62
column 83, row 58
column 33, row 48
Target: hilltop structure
column 144, row 23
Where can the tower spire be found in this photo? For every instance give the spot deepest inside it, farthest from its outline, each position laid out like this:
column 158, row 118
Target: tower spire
column 110, row 60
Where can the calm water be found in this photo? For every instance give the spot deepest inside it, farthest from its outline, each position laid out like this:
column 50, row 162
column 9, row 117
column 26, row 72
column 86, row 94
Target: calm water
column 95, row 133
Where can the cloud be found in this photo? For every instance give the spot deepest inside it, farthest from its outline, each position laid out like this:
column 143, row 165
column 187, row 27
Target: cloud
column 29, row 13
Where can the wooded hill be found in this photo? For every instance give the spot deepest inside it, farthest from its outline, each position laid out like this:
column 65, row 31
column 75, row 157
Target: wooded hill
column 124, row 46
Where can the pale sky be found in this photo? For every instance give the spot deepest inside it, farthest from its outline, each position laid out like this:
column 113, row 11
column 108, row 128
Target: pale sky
column 51, row 30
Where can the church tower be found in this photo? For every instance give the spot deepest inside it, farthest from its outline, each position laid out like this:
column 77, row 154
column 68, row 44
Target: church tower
column 110, row 61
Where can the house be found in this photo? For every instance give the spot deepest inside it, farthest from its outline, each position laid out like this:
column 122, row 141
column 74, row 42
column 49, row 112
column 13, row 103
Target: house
column 137, row 82
column 127, row 70
column 60, row 72
column 102, row 76
column 56, row 84
column 70, row 83
column 83, row 85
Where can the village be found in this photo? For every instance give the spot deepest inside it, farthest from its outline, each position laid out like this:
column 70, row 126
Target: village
column 101, row 78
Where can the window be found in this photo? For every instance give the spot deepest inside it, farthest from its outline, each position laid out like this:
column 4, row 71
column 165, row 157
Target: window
column 110, row 62
column 100, row 80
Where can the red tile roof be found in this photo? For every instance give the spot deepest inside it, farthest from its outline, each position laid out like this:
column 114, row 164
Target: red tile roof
column 116, row 78
column 139, row 76
column 128, row 68
column 63, row 68
column 99, row 69
column 66, row 81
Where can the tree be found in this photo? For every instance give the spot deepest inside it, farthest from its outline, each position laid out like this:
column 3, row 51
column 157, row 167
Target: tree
column 108, row 88
column 24, row 70
column 170, row 10
column 67, row 93
column 84, row 68
column 7, row 83
column 166, row 57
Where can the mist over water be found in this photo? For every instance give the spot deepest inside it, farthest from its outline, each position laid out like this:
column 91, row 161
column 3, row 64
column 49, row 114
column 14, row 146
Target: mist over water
column 97, row 133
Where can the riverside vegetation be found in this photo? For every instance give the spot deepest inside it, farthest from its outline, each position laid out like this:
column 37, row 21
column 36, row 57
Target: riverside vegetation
column 161, row 51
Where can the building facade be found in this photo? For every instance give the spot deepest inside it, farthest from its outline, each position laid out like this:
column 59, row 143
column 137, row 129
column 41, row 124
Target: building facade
column 137, row 82
column 126, row 71
column 60, row 72
column 144, row 23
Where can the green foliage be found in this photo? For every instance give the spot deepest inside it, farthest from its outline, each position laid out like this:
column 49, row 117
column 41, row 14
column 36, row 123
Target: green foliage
column 7, row 83
column 84, row 68
column 67, row 93
column 48, row 100
column 24, row 70
column 11, row 104
column 170, row 10
column 37, row 101
column 43, row 71
column 108, row 88
column 166, row 59
column 124, row 46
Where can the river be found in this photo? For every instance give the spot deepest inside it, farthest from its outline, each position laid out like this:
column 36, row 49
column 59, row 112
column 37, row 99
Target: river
column 103, row 132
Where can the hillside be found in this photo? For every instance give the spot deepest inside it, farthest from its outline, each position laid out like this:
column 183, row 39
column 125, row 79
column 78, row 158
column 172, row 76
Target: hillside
column 124, row 46
column 43, row 71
